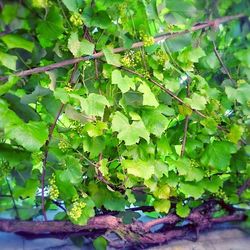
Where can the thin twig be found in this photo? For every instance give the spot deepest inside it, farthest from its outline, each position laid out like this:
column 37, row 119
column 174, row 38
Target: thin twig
column 89, row 37
column 245, row 186
column 45, row 158
column 222, row 63
column 12, row 198
column 183, row 146
column 168, row 91
column 159, row 38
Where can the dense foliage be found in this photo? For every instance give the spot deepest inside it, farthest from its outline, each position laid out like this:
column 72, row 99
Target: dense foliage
column 101, row 134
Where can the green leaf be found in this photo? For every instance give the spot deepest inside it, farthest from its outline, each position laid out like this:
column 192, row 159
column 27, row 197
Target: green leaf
column 139, row 168
column 95, row 130
column 191, row 55
column 240, row 94
column 123, row 83
column 218, row 154
column 191, row 173
column 51, row 28
column 236, row 131
column 24, row 111
column 17, row 41
column 29, row 189
column 162, row 206
column 196, row 101
column 100, row 243
column 72, row 5
column 148, row 97
column 94, row 104
column 79, row 48
column 129, row 133
column 212, row 184
column 73, row 172
column 8, row 60
column 99, row 19
column 182, row 210
column 194, row 190
column 93, row 145
column 111, row 57
column 155, row 122
column 243, row 56
column 162, row 192
column 31, row 136
column 8, row 85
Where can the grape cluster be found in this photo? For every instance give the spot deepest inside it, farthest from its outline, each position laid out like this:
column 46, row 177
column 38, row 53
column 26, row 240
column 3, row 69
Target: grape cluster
column 5, row 168
column 76, row 19
column 221, row 195
column 131, row 59
column 77, row 127
column 194, row 163
column 53, row 190
column 40, row 3
column 147, row 40
column 63, row 145
column 145, row 73
column 162, row 57
column 68, row 88
column 76, row 210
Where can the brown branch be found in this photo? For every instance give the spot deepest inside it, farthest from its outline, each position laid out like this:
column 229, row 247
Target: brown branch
column 222, row 63
column 39, row 227
column 245, row 186
column 136, row 233
column 157, row 39
column 169, row 219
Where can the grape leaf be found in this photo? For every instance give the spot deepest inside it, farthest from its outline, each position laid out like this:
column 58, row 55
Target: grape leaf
column 8, row 60
column 79, row 48
column 212, row 184
column 148, row 97
column 31, row 136
column 8, row 85
column 94, row 104
column 73, row 171
column 162, row 192
column 241, row 94
column 182, row 210
column 196, row 101
column 50, row 28
column 218, row 154
column 191, row 189
column 17, row 41
column 111, row 57
column 162, row 206
column 72, row 5
column 129, row 133
column 236, row 131
column 123, row 83
column 150, row 117
column 139, row 168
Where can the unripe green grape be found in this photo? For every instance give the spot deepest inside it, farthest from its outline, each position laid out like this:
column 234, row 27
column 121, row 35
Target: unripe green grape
column 5, row 168
column 63, row 145
column 53, row 189
column 40, row 3
column 76, row 19
column 76, row 210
